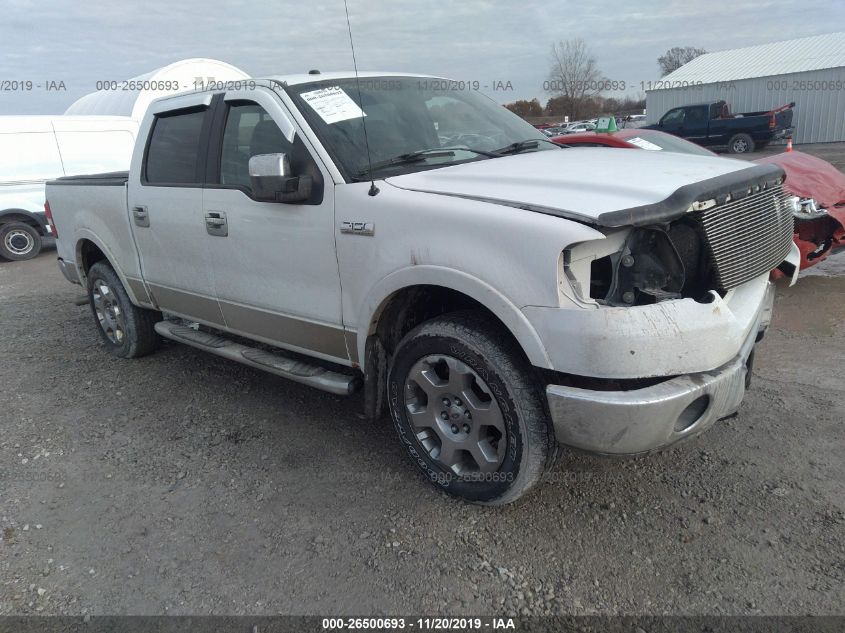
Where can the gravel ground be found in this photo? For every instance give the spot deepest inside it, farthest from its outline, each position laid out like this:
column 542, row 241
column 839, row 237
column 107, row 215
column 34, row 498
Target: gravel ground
column 181, row 483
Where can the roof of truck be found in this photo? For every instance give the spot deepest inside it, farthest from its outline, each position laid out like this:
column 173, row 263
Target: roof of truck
column 132, row 97
column 304, row 78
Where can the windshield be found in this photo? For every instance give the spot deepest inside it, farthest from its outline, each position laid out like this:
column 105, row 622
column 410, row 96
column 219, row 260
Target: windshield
column 407, row 115
column 653, row 140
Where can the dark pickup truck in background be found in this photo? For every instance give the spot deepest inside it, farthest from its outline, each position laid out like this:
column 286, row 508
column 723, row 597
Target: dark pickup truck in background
column 713, row 125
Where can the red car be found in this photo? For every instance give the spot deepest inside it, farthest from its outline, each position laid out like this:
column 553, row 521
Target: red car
column 817, row 186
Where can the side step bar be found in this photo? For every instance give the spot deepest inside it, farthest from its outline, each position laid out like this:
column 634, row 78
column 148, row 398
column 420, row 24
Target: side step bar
column 294, row 369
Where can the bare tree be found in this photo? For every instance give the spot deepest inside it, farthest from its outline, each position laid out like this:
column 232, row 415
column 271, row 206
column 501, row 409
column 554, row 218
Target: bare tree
column 574, row 73
column 676, row 57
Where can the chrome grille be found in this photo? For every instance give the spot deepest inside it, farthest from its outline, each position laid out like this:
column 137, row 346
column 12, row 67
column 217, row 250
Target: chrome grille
column 747, row 237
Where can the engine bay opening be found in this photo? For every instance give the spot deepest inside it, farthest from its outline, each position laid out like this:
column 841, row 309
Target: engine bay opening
column 656, row 263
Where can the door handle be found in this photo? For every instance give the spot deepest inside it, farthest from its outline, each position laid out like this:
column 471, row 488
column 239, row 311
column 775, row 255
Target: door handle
column 216, row 224
column 140, row 216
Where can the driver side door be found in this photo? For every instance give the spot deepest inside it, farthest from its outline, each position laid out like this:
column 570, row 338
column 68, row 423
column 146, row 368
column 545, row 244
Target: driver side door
column 673, row 122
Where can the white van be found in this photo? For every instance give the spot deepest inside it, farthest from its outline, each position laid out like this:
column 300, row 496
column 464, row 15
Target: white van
column 35, row 149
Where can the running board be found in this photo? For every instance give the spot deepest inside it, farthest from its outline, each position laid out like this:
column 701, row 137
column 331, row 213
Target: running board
column 294, row 369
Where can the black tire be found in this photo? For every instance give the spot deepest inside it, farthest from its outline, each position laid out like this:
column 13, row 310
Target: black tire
column 740, row 144
column 128, row 331
column 480, row 344
column 19, row 241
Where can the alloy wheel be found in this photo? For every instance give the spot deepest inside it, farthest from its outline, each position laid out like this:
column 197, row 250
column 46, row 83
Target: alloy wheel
column 455, row 417
column 109, row 314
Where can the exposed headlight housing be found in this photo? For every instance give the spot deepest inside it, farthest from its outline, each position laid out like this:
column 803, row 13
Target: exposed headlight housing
column 806, row 208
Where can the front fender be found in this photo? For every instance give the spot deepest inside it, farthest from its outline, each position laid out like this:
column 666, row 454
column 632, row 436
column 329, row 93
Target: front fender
column 508, row 313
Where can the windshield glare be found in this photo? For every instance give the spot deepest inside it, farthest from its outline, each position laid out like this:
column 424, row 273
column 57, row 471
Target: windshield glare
column 667, row 142
column 406, row 115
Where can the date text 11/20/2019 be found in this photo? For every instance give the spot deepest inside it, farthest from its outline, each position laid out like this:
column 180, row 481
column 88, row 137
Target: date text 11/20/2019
column 419, row 624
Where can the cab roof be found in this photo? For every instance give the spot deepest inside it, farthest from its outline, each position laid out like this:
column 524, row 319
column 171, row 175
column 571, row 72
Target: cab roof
column 304, row 78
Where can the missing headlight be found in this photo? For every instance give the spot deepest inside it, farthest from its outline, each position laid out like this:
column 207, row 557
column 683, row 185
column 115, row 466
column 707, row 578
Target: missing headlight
column 654, row 264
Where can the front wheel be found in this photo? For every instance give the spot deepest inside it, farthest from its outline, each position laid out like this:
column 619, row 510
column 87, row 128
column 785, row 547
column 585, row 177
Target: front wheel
column 741, row 144
column 19, row 241
column 468, row 409
column 127, row 330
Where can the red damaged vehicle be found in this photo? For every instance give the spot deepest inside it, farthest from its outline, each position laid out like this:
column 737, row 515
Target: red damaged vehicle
column 817, row 187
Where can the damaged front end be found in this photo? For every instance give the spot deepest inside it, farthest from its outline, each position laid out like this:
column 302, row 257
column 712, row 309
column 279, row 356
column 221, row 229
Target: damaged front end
column 680, row 300
column 718, row 244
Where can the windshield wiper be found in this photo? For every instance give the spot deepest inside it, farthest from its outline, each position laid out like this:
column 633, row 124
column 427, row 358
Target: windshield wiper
column 521, row 146
column 404, row 159
column 482, row 152
column 413, row 157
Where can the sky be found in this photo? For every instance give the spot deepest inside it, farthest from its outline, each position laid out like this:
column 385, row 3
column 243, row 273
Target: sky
column 499, row 43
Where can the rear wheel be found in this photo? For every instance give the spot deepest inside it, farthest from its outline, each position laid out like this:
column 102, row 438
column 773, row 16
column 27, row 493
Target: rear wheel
column 19, row 241
column 741, row 144
column 127, row 330
column 468, row 409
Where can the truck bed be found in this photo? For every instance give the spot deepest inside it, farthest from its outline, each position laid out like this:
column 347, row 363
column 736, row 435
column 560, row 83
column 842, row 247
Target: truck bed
column 93, row 208
column 108, row 179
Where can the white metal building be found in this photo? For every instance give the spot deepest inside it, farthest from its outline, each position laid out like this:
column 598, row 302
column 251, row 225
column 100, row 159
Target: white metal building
column 809, row 71
column 176, row 77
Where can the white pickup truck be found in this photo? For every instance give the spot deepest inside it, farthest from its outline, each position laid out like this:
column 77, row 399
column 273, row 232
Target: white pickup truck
column 499, row 294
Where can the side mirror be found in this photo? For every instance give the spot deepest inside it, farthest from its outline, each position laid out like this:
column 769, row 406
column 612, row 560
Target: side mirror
column 272, row 180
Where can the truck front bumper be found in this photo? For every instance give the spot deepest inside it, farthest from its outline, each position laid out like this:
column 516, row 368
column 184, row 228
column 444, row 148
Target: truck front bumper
column 644, row 420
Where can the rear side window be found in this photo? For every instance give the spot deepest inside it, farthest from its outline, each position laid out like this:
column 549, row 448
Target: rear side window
column 173, row 151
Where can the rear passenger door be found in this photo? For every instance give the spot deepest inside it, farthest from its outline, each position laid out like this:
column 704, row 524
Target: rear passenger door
column 165, row 209
column 275, row 265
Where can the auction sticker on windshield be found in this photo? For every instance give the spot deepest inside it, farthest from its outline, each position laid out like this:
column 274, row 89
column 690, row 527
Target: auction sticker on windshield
column 333, row 104
column 642, row 143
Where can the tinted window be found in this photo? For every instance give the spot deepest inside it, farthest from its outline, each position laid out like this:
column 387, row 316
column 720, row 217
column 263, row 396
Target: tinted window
column 174, row 148
column 250, row 131
column 674, row 116
column 697, row 115
column 29, row 156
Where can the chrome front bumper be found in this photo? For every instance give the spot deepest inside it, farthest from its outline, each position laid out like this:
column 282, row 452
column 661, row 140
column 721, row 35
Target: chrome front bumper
column 644, row 420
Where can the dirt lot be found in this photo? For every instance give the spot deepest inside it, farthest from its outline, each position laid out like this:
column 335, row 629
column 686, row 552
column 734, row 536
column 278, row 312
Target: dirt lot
column 182, row 483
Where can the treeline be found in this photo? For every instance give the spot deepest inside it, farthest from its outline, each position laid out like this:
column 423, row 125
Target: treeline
column 577, row 108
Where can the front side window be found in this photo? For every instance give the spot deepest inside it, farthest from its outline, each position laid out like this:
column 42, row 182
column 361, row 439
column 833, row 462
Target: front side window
column 405, row 115
column 674, row 117
column 173, row 151
column 249, row 131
